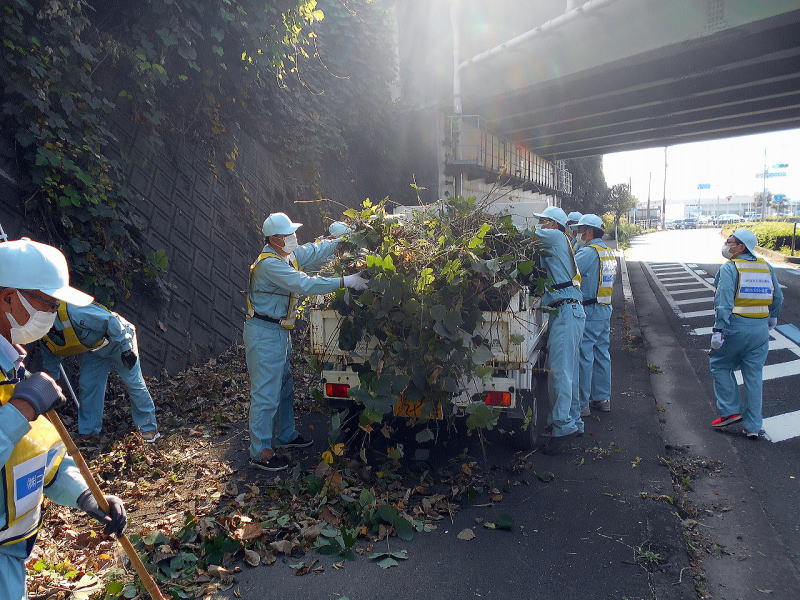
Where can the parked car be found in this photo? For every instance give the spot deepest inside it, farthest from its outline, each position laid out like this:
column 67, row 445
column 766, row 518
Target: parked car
column 729, row 218
column 688, row 223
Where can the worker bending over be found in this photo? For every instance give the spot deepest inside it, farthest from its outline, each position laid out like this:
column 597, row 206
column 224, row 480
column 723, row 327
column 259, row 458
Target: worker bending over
column 277, row 284
column 33, row 279
column 104, row 339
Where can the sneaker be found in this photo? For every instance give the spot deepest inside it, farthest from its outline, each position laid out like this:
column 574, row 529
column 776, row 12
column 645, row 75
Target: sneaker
column 725, row 421
column 586, row 411
column 275, row 463
column 601, row 405
column 298, row 442
column 753, row 435
column 150, row 436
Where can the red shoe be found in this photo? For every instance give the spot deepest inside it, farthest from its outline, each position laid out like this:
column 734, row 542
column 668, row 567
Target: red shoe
column 725, row 421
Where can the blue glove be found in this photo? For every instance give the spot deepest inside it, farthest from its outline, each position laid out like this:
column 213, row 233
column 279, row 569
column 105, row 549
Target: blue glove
column 40, row 391
column 116, row 519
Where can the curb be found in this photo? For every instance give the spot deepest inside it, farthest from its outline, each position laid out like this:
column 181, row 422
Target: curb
column 630, row 304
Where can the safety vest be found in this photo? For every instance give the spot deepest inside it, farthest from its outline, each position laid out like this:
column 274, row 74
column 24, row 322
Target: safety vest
column 608, row 272
column 286, row 322
column 32, row 465
column 754, row 289
column 70, row 344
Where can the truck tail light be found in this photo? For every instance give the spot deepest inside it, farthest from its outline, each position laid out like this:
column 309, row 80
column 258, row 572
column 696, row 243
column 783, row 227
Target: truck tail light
column 337, row 390
column 498, row 398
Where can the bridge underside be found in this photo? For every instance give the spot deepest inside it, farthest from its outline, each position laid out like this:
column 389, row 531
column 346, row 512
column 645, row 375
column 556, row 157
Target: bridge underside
column 737, row 81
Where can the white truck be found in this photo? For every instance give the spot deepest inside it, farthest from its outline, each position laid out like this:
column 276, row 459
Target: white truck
column 515, row 387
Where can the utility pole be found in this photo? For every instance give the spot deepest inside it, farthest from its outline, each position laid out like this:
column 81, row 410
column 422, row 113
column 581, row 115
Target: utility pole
column 764, row 189
column 649, row 181
column 664, row 197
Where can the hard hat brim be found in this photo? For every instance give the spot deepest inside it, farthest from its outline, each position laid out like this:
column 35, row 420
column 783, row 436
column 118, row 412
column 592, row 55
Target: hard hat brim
column 70, row 295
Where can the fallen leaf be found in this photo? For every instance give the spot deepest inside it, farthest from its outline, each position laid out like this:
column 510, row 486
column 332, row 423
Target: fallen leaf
column 466, row 534
column 282, row 546
column 252, row 558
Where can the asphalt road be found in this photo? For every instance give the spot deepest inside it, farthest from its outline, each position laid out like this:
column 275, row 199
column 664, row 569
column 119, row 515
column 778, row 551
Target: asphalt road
column 672, row 277
column 588, row 534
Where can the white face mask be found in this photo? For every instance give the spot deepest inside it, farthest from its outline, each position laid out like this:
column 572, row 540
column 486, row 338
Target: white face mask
column 726, row 251
column 290, row 243
column 35, row 328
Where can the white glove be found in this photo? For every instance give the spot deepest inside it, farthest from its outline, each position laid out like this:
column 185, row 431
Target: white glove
column 355, row 282
column 338, row 229
column 716, row 340
column 773, row 321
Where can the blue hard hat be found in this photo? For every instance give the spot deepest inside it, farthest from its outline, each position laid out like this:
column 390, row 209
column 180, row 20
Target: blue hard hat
column 589, row 220
column 747, row 237
column 555, row 213
column 574, row 216
column 279, row 224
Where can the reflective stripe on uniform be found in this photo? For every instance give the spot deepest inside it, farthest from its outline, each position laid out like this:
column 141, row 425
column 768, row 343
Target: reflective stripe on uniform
column 286, row 322
column 754, row 288
column 70, row 344
column 32, row 465
column 608, row 272
column 576, row 278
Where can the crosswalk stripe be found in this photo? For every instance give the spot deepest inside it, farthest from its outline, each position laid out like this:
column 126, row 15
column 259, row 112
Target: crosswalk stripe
column 782, row 427
column 697, row 313
column 783, row 369
column 694, row 300
column 702, row 331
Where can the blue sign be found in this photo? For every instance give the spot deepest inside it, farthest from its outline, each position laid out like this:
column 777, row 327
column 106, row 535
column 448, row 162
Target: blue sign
column 779, row 198
column 703, row 186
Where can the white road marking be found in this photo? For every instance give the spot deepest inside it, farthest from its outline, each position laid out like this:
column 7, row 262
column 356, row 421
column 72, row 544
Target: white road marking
column 677, row 278
column 693, row 300
column 784, row 369
column 674, row 285
column 697, row 313
column 702, row 331
column 692, row 265
column 692, row 291
column 782, row 427
column 709, row 279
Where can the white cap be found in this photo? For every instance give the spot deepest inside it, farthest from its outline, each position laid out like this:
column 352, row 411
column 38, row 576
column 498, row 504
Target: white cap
column 29, row 265
column 555, row 213
column 279, row 224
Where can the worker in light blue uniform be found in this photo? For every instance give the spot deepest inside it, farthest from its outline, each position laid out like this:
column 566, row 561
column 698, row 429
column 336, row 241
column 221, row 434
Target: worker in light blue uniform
column 277, row 284
column 598, row 266
column 572, row 222
column 104, row 339
column 33, row 279
column 747, row 301
column 566, row 325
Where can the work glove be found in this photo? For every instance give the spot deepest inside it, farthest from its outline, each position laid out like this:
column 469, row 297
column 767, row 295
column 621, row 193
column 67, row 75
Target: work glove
column 772, row 323
column 40, row 391
column 338, row 229
column 355, row 282
column 116, row 519
column 129, row 358
column 716, row 340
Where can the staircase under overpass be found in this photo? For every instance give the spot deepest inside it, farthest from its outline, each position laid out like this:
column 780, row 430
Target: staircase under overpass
column 614, row 75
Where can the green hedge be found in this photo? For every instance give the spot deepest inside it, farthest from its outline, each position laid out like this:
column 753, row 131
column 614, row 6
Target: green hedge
column 772, row 235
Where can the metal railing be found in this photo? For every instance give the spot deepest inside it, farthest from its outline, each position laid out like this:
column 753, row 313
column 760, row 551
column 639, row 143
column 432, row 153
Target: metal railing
column 471, row 144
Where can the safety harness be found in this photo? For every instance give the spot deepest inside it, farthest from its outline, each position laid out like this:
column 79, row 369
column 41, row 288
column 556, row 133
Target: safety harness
column 288, row 321
column 65, row 342
column 32, row 466
column 606, row 276
column 754, row 288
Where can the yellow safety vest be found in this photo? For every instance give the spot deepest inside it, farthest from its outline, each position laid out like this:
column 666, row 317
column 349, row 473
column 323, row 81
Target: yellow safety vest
column 286, row 322
column 32, row 465
column 608, row 272
column 754, row 289
column 70, row 345
column 576, row 279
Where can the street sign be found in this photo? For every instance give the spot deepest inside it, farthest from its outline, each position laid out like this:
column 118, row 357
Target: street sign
column 703, row 186
column 779, row 198
column 778, row 174
column 780, row 166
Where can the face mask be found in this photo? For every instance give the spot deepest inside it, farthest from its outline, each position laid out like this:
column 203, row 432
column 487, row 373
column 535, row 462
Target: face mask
column 36, row 327
column 726, row 251
column 290, row 243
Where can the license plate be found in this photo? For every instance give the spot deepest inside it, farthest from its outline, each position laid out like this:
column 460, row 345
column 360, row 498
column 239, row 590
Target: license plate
column 416, row 410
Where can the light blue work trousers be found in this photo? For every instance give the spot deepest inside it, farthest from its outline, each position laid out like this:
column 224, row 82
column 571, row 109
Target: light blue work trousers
column 595, row 362
column 95, row 367
column 745, row 347
column 268, row 350
column 12, row 572
column 566, row 328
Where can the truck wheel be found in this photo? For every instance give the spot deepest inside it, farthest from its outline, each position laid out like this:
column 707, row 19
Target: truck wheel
column 535, row 401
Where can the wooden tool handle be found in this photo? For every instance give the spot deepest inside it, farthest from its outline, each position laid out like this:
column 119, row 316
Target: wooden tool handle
column 75, row 453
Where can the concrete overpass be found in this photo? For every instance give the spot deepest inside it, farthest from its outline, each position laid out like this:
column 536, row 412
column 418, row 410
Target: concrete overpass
column 613, row 75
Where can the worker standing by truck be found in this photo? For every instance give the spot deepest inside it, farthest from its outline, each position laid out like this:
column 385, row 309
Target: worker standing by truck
column 598, row 266
column 277, row 284
column 33, row 279
column 565, row 327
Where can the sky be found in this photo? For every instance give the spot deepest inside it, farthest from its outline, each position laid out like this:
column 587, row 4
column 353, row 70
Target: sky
column 730, row 167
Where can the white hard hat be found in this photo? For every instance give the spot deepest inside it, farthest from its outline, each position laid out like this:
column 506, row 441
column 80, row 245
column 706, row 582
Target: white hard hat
column 555, row 213
column 29, row 265
column 589, row 220
column 279, row 224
